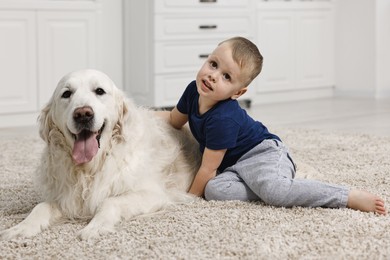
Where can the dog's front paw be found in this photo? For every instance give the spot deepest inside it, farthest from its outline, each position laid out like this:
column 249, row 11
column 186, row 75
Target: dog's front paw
column 90, row 232
column 19, row 230
column 85, row 234
column 7, row 234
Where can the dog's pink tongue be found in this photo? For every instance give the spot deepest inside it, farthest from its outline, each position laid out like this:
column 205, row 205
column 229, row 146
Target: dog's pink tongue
column 85, row 148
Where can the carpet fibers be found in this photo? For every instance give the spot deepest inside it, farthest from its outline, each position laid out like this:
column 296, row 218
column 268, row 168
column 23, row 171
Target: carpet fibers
column 219, row 230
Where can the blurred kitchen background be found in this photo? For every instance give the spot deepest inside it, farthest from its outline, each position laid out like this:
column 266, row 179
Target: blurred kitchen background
column 326, row 62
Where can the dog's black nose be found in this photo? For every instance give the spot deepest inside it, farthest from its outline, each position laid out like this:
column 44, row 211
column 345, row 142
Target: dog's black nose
column 83, row 115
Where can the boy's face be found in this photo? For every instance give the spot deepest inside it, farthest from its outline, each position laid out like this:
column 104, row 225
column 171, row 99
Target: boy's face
column 220, row 77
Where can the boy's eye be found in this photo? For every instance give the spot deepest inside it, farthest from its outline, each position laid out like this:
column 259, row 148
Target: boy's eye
column 226, row 76
column 213, row 64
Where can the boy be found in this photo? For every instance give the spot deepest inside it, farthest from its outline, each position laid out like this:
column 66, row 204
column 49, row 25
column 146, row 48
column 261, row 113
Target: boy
column 241, row 159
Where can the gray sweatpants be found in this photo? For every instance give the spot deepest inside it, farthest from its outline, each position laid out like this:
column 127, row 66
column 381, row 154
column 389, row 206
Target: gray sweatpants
column 267, row 173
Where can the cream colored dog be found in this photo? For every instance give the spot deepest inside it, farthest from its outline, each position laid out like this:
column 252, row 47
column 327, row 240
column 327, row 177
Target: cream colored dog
column 105, row 159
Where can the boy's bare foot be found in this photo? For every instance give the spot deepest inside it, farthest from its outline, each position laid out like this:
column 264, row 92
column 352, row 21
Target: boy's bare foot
column 365, row 201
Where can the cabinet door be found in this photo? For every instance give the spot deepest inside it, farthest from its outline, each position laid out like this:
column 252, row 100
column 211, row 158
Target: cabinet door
column 162, row 6
column 18, row 62
column 275, row 40
column 206, row 26
column 67, row 42
column 170, row 87
column 315, row 48
column 179, row 57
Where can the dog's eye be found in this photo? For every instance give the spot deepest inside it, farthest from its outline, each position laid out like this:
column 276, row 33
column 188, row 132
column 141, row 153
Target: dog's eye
column 66, row 94
column 100, row 91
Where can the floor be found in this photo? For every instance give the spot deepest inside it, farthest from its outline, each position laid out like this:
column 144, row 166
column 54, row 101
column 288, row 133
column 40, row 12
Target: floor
column 367, row 116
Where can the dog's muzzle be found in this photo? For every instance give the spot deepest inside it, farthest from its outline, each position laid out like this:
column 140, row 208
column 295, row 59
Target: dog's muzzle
column 87, row 142
column 83, row 118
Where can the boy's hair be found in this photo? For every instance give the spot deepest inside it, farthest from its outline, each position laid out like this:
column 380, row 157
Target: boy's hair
column 246, row 54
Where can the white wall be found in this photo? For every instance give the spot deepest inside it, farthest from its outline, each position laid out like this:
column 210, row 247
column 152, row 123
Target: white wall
column 362, row 53
column 383, row 48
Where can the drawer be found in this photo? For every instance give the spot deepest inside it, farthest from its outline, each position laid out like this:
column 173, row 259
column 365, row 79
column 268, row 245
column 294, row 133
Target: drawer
column 195, row 27
column 169, row 88
column 176, row 57
column 165, row 6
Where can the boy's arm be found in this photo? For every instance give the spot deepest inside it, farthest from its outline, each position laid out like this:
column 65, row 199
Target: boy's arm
column 210, row 162
column 174, row 117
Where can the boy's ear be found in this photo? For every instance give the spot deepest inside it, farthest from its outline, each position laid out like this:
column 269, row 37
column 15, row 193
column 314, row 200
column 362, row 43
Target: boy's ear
column 239, row 93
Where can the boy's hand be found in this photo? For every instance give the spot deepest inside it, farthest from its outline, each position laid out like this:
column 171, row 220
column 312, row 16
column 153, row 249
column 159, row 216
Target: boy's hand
column 177, row 119
column 210, row 162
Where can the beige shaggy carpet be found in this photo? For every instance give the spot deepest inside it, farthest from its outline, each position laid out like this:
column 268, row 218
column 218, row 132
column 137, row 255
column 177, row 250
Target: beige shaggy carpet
column 220, row 230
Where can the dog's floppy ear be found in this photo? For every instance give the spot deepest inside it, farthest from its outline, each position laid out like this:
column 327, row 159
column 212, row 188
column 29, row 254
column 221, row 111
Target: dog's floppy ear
column 45, row 122
column 123, row 110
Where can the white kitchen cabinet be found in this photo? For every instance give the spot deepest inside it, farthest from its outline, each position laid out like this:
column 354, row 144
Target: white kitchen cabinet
column 43, row 40
column 167, row 41
column 37, row 48
column 164, row 41
column 297, row 42
column 18, row 62
column 66, row 42
column 315, row 49
column 276, row 37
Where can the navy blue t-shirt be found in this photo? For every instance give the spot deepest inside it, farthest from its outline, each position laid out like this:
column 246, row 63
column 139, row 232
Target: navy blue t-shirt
column 225, row 126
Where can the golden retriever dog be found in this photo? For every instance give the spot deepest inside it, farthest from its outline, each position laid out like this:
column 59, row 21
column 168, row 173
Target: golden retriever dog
column 105, row 159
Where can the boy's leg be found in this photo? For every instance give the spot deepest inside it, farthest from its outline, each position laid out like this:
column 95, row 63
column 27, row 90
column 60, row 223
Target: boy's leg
column 228, row 186
column 269, row 173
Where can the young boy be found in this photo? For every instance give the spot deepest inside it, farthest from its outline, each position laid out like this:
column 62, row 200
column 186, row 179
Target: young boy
column 241, row 159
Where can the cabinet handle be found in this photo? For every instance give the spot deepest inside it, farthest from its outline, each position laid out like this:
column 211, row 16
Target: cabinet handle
column 203, row 56
column 207, row 1
column 207, row 27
